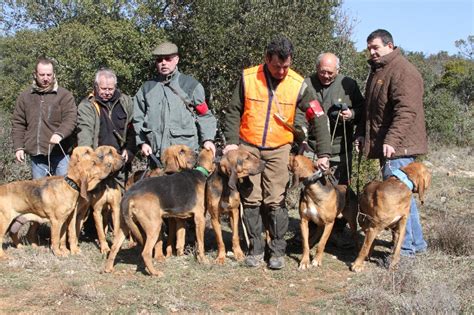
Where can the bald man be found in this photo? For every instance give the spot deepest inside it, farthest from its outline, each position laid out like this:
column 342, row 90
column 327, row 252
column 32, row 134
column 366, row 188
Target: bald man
column 342, row 102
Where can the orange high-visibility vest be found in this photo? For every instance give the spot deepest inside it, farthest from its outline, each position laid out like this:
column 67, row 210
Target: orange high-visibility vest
column 258, row 125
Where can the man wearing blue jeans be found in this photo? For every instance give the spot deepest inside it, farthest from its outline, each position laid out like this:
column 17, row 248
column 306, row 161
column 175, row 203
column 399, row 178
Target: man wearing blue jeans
column 414, row 241
column 43, row 123
column 392, row 126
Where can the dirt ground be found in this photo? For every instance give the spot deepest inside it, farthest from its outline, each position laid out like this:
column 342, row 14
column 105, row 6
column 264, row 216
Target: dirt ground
column 32, row 280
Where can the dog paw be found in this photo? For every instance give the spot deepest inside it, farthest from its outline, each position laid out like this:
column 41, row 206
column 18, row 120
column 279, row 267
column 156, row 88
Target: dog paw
column 317, row 263
column 219, row 260
column 60, row 253
column 160, row 258
column 104, row 249
column 304, row 264
column 108, row 269
column 239, row 255
column 202, row 259
column 75, row 251
column 357, row 267
column 156, row 273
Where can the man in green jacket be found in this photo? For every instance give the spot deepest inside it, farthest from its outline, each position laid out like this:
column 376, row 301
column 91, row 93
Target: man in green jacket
column 266, row 108
column 105, row 116
column 342, row 102
column 171, row 108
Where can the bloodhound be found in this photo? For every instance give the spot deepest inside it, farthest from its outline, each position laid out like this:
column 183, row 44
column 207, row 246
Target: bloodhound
column 143, row 207
column 386, row 205
column 53, row 198
column 222, row 195
column 321, row 202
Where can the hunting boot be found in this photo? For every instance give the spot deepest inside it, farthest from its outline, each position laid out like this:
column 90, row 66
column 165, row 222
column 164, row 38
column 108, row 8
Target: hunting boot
column 253, row 223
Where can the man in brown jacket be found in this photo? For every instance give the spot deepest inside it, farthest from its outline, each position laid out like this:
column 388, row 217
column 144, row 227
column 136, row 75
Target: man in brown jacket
column 392, row 128
column 43, row 122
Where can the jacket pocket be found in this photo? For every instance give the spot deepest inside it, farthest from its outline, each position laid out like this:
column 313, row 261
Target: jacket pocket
column 186, row 136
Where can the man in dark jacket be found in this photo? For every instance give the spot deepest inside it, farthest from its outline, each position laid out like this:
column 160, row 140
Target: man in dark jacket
column 43, row 123
column 171, row 108
column 392, row 128
column 105, row 116
column 261, row 118
column 342, row 102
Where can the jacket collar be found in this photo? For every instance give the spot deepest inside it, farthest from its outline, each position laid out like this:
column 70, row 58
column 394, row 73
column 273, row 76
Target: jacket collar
column 168, row 78
column 385, row 60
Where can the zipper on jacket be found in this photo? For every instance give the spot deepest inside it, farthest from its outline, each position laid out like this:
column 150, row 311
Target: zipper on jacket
column 39, row 125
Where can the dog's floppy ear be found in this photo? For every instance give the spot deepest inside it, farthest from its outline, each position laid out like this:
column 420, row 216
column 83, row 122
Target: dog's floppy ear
column 419, row 174
column 226, row 168
column 424, row 184
column 84, row 185
column 233, row 178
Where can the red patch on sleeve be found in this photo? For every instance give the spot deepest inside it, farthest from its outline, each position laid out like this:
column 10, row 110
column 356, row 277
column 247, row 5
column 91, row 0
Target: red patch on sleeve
column 202, row 108
column 314, row 110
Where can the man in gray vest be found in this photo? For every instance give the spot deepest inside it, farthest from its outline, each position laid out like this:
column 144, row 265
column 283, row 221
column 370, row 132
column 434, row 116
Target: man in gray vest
column 171, row 108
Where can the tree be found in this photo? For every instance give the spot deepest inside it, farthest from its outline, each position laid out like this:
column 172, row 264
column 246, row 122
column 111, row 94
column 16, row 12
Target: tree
column 219, row 39
column 80, row 46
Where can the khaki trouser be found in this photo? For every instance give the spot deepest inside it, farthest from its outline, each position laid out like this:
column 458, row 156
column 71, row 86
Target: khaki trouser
column 266, row 203
column 269, row 187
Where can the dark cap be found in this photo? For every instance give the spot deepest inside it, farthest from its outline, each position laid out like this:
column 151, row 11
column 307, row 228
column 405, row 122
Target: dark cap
column 165, row 49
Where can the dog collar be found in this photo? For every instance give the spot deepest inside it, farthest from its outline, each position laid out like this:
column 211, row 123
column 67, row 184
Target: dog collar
column 202, row 170
column 403, row 178
column 71, row 183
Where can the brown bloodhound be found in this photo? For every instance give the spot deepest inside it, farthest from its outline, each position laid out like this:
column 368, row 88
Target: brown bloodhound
column 222, row 195
column 143, row 207
column 386, row 205
column 321, row 202
column 52, row 198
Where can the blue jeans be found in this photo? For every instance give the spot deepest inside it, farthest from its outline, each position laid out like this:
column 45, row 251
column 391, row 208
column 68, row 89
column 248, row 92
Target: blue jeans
column 39, row 165
column 414, row 241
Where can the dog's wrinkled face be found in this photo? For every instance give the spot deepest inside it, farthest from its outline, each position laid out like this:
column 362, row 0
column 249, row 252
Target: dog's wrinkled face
column 80, row 154
column 419, row 174
column 238, row 164
column 111, row 159
column 87, row 169
column 178, row 157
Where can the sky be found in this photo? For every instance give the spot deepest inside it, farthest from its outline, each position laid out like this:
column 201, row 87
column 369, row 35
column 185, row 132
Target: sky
column 427, row 26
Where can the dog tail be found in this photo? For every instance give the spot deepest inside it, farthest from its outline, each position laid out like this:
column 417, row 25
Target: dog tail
column 125, row 206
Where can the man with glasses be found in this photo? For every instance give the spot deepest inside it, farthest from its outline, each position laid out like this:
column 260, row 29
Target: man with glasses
column 171, row 108
column 342, row 102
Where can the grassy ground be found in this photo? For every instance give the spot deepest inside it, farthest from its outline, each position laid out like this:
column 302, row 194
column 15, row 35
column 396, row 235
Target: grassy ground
column 441, row 281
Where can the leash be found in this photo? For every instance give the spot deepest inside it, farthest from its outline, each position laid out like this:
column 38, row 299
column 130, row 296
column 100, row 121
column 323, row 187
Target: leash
column 345, row 144
column 49, row 157
column 244, row 229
